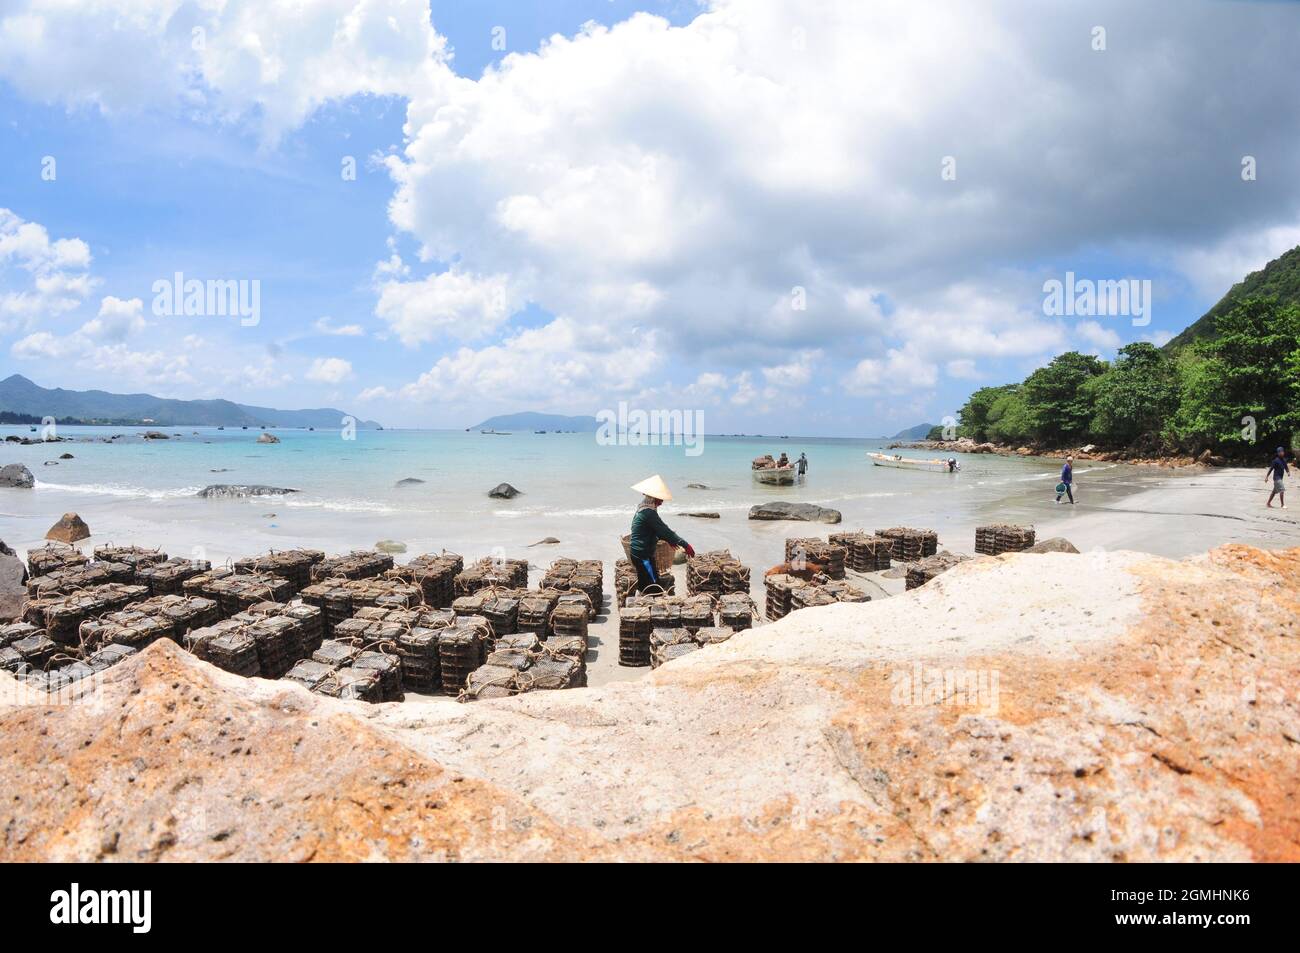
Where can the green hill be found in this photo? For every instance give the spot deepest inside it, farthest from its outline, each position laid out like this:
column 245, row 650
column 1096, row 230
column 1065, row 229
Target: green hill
column 1280, row 278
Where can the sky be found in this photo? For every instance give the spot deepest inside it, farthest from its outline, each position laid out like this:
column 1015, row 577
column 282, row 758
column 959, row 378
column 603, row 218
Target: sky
column 824, row 218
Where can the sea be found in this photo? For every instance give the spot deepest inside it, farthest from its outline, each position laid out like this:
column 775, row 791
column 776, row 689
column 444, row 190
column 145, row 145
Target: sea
column 573, row 488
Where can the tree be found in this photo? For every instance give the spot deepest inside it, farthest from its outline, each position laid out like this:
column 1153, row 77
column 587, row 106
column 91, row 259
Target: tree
column 1009, row 418
column 1241, row 387
column 1060, row 408
column 1136, row 397
column 974, row 414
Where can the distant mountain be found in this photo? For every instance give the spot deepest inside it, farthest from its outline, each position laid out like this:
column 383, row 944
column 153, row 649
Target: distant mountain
column 18, row 395
column 918, row 432
column 1279, row 278
column 530, row 420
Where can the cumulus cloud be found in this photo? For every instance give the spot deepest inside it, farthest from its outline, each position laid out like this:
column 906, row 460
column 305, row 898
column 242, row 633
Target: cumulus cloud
column 329, row 370
column 39, row 277
column 326, row 325
column 116, row 320
column 450, row 304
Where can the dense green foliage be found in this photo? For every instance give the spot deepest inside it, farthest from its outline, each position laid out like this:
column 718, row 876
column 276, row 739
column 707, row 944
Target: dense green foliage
column 1279, row 279
column 1232, row 391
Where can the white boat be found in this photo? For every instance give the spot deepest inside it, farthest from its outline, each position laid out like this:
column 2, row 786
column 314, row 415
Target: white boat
column 908, row 463
column 775, row 476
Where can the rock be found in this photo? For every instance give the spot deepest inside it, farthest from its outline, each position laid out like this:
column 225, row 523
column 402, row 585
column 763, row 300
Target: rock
column 16, row 475
column 503, row 491
column 1159, row 730
column 51, row 463
column 804, row 512
column 13, row 585
column 68, row 529
column 696, row 486
column 548, row 541
column 155, row 435
column 65, row 456
column 226, row 491
column 705, row 516
column 390, row 546
column 409, row 481
column 1057, row 544
column 268, row 438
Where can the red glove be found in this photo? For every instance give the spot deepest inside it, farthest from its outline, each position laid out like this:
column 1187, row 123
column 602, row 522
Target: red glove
column 690, row 550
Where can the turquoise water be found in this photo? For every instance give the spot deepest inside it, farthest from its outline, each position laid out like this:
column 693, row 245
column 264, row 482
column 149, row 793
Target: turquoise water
column 574, row 489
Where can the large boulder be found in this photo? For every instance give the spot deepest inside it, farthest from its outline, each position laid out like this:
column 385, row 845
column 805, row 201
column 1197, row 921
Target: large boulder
column 155, row 435
column 233, row 491
column 13, row 585
column 940, row 725
column 68, row 529
column 16, row 475
column 800, row 512
column 1057, row 544
column 503, row 491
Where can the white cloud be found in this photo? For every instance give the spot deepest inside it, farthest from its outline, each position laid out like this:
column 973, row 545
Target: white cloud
column 901, row 370
column 39, row 278
column 326, row 325
column 330, row 370
column 1098, row 336
column 451, row 304
column 117, row 319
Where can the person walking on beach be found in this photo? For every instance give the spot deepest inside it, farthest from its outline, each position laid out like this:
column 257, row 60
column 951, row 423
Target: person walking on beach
column 1067, row 480
column 1277, row 470
column 803, row 465
column 648, row 528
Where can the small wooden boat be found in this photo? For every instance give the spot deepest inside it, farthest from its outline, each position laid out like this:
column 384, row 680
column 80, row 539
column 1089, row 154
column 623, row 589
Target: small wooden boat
column 775, row 476
column 908, row 463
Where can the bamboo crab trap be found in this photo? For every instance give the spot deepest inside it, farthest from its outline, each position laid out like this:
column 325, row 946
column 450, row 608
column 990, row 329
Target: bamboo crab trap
column 926, row 569
column 578, row 575
column 295, row 565
column 358, row 564
column 227, row 645
column 800, row 551
column 461, row 648
column 663, row 639
column 634, row 628
column 998, row 538
column 713, row 635
column 908, row 544
column 72, row 578
column 522, row 663
column 736, row 610
column 310, row 619
column 45, row 559
column 489, row 572
column 716, row 573
column 866, row 553
column 338, row 599
column 535, row 610
column 236, row 592
column 780, row 588
column 168, row 577
column 61, row 615
column 137, row 557
column 434, row 574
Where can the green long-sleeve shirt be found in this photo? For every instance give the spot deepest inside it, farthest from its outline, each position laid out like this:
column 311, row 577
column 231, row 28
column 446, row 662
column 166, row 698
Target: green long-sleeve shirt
column 648, row 528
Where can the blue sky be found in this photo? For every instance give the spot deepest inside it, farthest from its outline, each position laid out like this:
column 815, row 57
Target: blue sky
column 628, row 213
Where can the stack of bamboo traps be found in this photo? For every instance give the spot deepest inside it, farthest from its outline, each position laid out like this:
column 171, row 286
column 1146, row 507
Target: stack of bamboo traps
column 461, row 649
column 780, row 588
column 736, row 610
column 308, row 673
column 279, row 641
column 715, row 573
column 570, row 619
column 806, row 597
column 237, row 592
column 570, row 647
column 713, row 635
column 800, row 551
column 535, row 608
column 227, row 645
column 840, row 590
column 358, row 564
column 182, row 612
column 310, row 619
column 52, row 556
column 61, row 615
column 625, row 581
column 504, row 573
column 435, row 574
column 353, row 684
column 579, row 575
column 295, row 565
column 908, row 544
column 33, row 652
column 634, row 628
column 697, row 612
column 925, row 570
column 338, row 599
column 998, row 538
column 668, row 644
column 866, row 553
column 501, row 609
column 522, row 663
column 341, row 669
column 137, row 557
column 73, row 578
column 197, row 585
column 167, row 578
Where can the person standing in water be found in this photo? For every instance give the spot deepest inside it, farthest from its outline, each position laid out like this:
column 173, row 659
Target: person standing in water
column 803, row 465
column 1067, row 479
column 648, row 528
column 1277, row 470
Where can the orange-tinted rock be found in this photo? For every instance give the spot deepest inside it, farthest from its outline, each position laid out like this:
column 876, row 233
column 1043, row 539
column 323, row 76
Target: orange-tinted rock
column 69, row 529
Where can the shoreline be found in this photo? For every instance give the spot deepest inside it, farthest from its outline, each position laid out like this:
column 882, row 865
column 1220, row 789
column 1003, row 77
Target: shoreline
column 1206, row 460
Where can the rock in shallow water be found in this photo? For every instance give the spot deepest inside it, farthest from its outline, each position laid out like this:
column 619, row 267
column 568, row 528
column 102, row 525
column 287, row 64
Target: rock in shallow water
column 17, row 475
column 231, row 491
column 802, row 512
column 409, row 481
column 503, row 491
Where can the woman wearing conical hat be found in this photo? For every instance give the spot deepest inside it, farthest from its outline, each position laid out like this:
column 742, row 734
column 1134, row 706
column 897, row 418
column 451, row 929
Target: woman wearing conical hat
column 648, row 528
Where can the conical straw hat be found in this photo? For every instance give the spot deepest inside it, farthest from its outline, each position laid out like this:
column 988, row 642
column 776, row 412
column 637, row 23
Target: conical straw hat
column 654, row 486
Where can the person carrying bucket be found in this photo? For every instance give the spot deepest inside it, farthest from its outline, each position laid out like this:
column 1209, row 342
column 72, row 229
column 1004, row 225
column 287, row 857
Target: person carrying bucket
column 648, row 528
column 1066, row 486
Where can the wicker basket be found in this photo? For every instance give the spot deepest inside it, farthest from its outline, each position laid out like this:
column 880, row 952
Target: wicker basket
column 664, row 553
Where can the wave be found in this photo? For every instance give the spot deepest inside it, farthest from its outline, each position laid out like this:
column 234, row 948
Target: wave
column 120, row 489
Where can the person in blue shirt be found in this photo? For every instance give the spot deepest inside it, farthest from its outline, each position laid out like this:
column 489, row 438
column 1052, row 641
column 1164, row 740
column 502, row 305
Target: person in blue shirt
column 1277, row 470
column 1067, row 478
